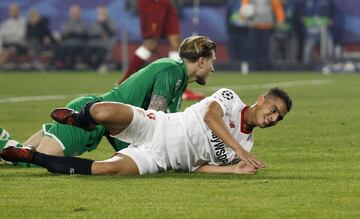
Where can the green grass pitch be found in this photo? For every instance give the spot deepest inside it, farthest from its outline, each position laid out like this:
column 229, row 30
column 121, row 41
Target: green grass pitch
column 312, row 157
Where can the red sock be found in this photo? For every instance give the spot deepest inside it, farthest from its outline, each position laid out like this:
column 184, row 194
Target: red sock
column 135, row 64
column 141, row 55
column 191, row 95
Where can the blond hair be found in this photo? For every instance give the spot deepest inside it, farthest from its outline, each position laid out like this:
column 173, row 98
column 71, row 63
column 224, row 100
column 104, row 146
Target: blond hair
column 194, row 47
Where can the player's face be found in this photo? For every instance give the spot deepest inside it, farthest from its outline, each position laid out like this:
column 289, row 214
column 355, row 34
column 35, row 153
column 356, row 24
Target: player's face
column 269, row 111
column 14, row 10
column 75, row 12
column 206, row 66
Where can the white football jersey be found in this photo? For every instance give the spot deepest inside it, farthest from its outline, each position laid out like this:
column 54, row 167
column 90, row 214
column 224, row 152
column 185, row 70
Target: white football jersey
column 201, row 145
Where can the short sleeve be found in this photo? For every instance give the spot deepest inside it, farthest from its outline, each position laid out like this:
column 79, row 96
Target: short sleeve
column 226, row 98
column 167, row 84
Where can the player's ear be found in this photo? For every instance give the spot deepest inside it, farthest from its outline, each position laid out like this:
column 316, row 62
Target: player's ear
column 260, row 100
column 201, row 62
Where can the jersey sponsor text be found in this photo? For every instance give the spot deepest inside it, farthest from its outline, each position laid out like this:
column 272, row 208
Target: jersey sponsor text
column 219, row 147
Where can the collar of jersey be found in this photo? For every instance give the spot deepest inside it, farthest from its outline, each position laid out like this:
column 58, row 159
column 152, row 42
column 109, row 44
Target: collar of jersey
column 242, row 122
column 186, row 77
column 182, row 64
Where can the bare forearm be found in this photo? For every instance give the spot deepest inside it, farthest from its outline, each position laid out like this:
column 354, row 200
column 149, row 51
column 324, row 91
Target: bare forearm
column 217, row 125
column 239, row 168
column 215, row 169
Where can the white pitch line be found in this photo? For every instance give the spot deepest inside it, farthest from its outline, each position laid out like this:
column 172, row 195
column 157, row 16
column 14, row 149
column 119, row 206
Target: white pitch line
column 38, row 98
column 206, row 88
column 270, row 85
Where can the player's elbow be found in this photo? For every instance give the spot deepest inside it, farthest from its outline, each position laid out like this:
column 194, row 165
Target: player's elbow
column 209, row 118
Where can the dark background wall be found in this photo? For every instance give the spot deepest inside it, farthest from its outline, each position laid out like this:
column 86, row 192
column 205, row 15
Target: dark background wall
column 211, row 21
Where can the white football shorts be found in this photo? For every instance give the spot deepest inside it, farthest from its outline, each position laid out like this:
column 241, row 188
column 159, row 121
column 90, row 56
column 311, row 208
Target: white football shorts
column 146, row 137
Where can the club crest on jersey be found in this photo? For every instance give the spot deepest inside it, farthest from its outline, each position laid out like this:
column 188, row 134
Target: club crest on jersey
column 227, row 94
column 151, row 116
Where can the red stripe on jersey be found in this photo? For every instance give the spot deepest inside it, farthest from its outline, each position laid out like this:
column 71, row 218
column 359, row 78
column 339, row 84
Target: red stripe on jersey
column 242, row 124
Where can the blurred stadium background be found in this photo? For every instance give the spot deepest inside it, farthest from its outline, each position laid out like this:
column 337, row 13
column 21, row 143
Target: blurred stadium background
column 213, row 18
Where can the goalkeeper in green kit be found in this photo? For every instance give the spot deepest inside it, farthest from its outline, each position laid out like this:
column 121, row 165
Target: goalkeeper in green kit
column 158, row 86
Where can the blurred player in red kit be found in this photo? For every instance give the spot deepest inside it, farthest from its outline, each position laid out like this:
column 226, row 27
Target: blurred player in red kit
column 158, row 18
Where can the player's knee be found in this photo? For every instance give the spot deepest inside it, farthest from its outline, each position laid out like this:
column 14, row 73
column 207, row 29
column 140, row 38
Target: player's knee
column 174, row 41
column 175, row 45
column 120, row 166
column 120, row 171
column 109, row 169
column 151, row 43
column 101, row 112
column 50, row 146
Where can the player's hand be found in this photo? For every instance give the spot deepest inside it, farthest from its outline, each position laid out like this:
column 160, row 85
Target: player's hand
column 243, row 168
column 250, row 159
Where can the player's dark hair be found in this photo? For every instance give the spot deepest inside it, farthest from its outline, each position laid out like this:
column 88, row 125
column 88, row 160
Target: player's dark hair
column 282, row 94
column 194, row 47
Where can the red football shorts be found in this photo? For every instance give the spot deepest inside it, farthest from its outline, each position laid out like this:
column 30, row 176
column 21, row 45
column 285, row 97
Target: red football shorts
column 158, row 18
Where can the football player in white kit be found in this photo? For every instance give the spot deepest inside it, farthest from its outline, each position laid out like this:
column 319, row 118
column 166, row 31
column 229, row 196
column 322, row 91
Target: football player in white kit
column 214, row 135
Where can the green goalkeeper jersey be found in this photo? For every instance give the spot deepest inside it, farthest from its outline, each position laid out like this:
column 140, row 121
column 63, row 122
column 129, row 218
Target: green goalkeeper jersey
column 164, row 77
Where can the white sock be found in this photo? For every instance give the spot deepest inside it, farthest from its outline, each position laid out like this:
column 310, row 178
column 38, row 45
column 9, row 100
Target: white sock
column 4, row 134
column 13, row 143
column 143, row 53
column 174, row 55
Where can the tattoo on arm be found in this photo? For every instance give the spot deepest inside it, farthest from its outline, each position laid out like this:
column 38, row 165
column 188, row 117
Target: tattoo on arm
column 158, row 103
